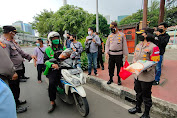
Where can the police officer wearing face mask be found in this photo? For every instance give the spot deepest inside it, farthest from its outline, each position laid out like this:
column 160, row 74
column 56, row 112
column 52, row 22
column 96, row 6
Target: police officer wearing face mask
column 145, row 50
column 116, row 47
column 54, row 73
column 161, row 40
column 16, row 55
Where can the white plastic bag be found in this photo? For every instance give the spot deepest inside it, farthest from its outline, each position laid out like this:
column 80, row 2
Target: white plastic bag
column 140, row 66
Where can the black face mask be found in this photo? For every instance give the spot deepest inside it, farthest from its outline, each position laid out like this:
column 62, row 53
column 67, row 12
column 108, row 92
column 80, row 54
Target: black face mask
column 68, row 37
column 160, row 30
column 71, row 40
column 113, row 30
column 141, row 38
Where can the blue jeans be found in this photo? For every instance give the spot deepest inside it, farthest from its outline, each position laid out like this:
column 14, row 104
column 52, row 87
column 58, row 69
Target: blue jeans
column 158, row 69
column 79, row 63
column 92, row 58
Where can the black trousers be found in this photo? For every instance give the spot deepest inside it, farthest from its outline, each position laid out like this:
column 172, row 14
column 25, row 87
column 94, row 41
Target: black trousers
column 23, row 71
column 54, row 80
column 15, row 86
column 115, row 59
column 143, row 94
column 40, row 69
column 100, row 60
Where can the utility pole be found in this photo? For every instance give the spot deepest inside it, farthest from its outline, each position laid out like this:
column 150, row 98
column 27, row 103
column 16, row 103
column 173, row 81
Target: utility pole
column 145, row 8
column 97, row 19
column 64, row 2
column 162, row 11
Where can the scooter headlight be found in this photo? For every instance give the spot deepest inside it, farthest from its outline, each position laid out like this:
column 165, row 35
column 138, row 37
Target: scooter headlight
column 76, row 82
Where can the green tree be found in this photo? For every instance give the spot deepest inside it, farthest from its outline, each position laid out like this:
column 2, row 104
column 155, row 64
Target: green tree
column 103, row 26
column 153, row 15
column 42, row 22
column 171, row 16
column 71, row 18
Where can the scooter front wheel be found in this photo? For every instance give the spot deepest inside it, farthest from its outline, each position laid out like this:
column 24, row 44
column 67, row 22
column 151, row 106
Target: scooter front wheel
column 81, row 104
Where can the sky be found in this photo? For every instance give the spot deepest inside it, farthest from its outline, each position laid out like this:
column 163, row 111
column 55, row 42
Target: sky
column 25, row 10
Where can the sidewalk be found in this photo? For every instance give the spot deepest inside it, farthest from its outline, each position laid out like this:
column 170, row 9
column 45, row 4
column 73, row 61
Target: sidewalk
column 166, row 91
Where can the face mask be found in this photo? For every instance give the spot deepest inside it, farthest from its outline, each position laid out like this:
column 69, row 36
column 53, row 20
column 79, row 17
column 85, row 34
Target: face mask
column 141, row 38
column 113, row 30
column 71, row 40
column 160, row 30
column 89, row 32
column 68, row 37
column 38, row 44
column 56, row 41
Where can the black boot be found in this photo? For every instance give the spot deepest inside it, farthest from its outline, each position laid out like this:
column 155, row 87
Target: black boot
column 110, row 80
column 119, row 81
column 135, row 110
column 52, row 108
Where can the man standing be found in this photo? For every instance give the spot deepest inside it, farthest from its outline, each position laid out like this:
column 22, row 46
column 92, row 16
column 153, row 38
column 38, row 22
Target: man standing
column 92, row 42
column 161, row 40
column 116, row 47
column 39, row 53
column 77, row 48
column 7, row 71
column 100, row 52
column 16, row 56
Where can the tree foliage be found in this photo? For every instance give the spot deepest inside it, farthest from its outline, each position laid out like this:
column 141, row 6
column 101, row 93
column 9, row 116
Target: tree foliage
column 153, row 15
column 69, row 17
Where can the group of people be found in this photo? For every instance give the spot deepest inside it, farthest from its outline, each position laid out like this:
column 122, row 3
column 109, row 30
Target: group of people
column 11, row 71
column 115, row 50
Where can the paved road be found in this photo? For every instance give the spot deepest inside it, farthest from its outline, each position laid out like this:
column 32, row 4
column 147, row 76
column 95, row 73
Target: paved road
column 101, row 105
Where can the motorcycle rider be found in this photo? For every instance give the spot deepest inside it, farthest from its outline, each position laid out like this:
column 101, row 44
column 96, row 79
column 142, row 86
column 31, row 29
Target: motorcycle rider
column 53, row 72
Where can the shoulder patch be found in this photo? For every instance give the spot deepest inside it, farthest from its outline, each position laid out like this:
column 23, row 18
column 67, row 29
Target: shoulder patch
column 2, row 45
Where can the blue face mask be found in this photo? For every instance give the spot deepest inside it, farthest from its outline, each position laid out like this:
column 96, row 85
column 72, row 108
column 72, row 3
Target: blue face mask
column 38, row 44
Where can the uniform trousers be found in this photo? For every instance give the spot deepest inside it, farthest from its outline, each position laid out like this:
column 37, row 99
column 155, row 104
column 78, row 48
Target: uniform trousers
column 143, row 94
column 118, row 60
column 15, row 86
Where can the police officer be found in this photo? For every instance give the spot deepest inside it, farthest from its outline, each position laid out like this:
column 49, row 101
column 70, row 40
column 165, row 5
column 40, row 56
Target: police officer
column 7, row 71
column 116, row 47
column 54, row 73
column 145, row 50
column 16, row 56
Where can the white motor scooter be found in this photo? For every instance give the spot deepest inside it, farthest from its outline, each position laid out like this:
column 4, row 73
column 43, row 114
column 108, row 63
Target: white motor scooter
column 72, row 80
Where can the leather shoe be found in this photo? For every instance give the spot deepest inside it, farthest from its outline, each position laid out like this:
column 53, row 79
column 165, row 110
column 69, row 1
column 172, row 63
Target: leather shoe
column 110, row 81
column 21, row 102
column 21, row 109
column 26, row 77
column 135, row 110
column 22, row 80
column 145, row 116
column 52, row 108
column 119, row 83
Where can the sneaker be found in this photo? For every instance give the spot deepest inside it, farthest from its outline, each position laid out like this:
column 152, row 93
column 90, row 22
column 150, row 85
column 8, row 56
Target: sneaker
column 155, row 83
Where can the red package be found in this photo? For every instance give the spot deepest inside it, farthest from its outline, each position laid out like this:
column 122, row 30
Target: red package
column 124, row 74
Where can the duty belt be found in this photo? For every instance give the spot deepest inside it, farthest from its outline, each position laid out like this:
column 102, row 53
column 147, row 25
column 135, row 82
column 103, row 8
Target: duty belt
column 115, row 50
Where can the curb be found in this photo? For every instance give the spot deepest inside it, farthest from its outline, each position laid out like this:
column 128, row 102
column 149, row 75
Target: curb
column 161, row 107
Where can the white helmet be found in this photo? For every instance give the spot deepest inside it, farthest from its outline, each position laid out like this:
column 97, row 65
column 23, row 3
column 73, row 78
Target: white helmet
column 53, row 34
